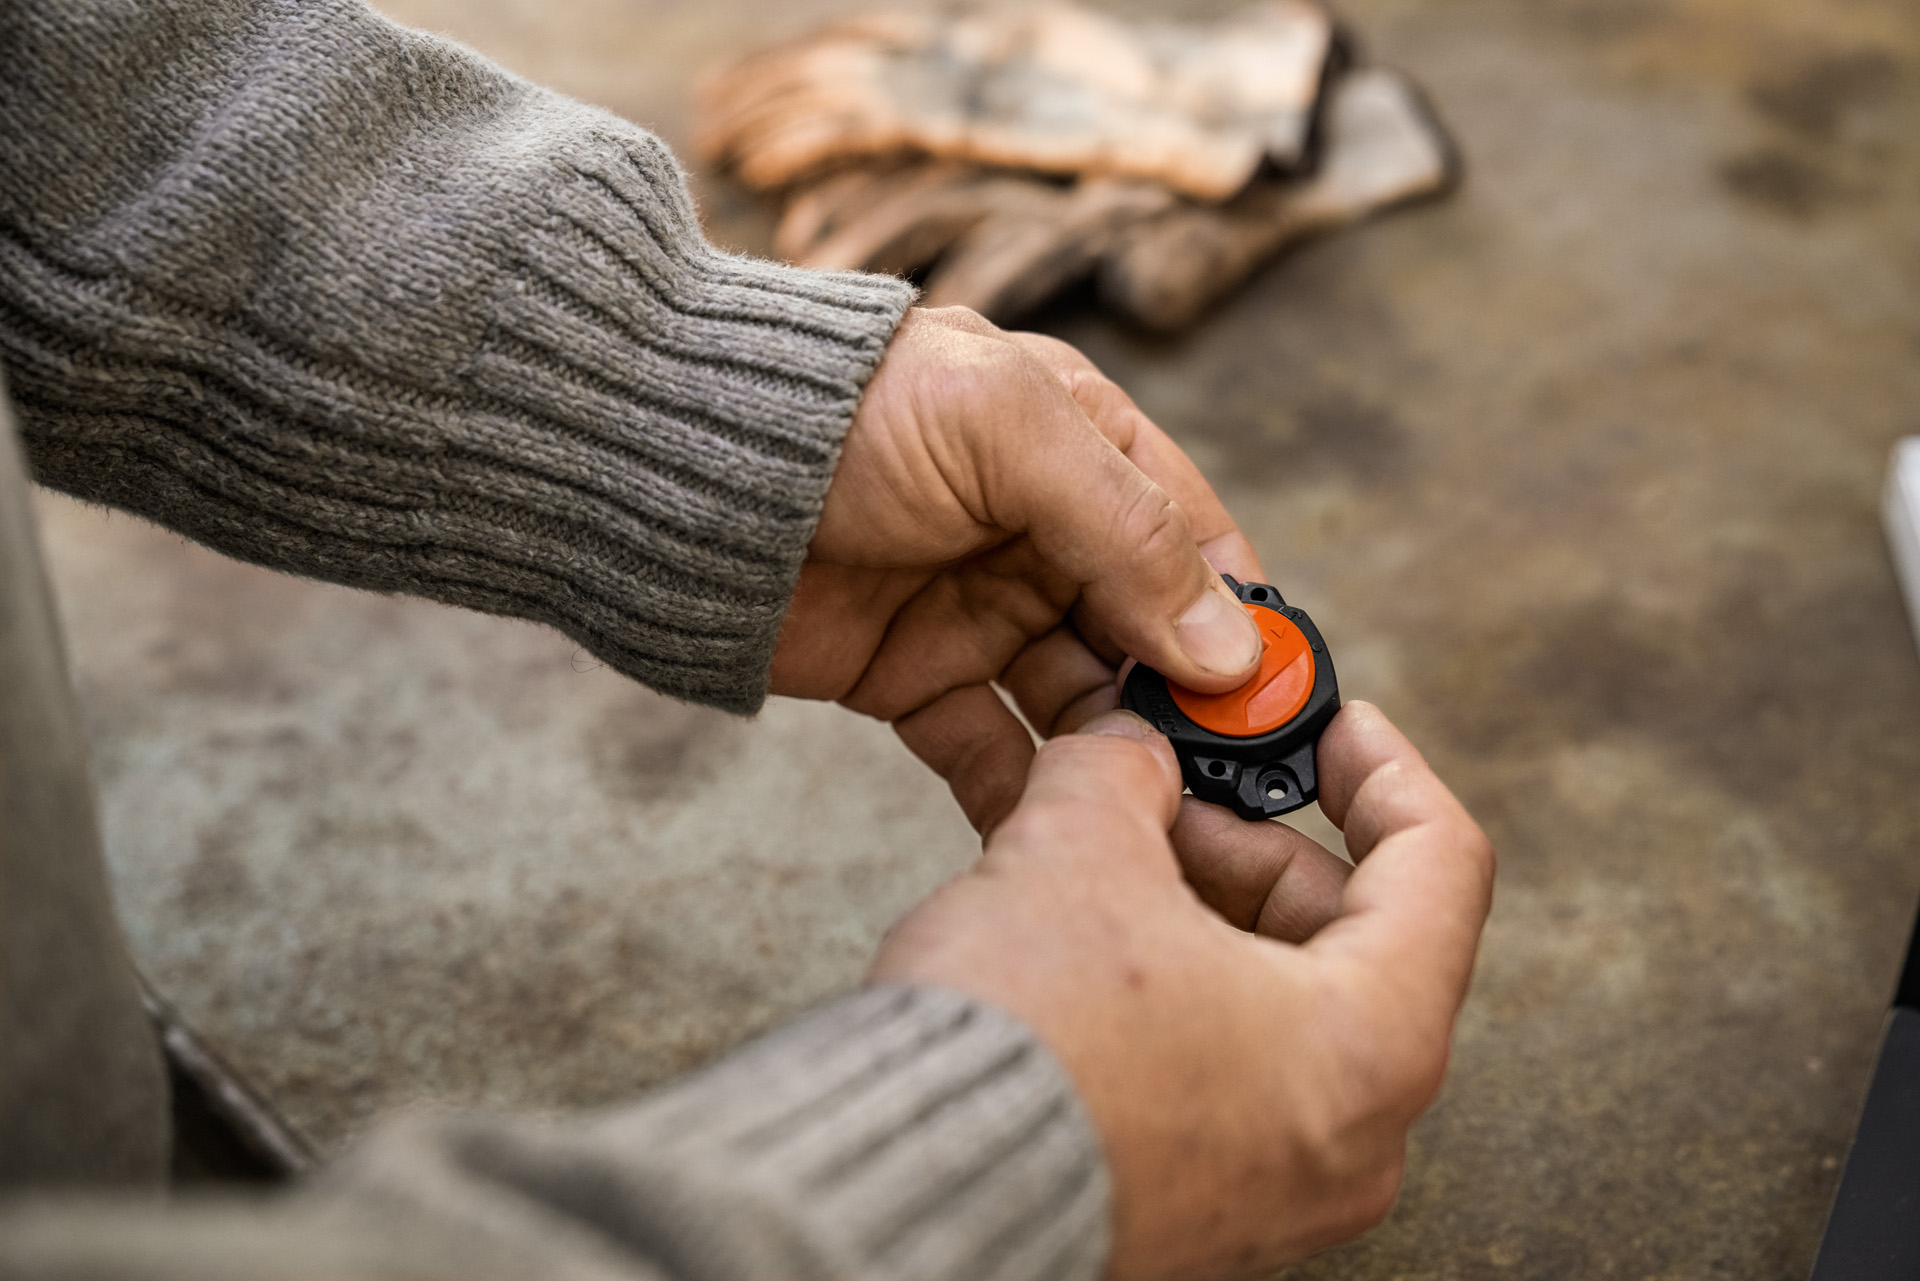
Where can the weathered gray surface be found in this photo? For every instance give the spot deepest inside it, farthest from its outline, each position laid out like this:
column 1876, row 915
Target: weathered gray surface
column 381, row 850
column 1578, row 471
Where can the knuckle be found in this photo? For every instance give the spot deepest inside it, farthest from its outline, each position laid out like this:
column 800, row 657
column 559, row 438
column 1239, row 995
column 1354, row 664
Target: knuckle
column 1097, row 754
column 1067, row 362
column 1420, row 1081
column 1059, row 347
column 1470, row 849
column 1480, row 850
column 990, row 370
column 1362, row 1181
column 1038, row 825
column 965, row 319
column 1391, row 1075
column 1153, row 525
column 1104, row 773
column 1063, row 829
column 1089, row 386
column 1405, row 1076
column 1374, row 1196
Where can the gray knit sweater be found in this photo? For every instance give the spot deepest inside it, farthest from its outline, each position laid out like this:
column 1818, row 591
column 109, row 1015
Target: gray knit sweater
column 902, row 1133
column 348, row 301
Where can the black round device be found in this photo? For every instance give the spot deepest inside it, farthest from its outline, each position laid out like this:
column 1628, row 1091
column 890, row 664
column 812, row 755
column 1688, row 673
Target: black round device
column 1250, row 749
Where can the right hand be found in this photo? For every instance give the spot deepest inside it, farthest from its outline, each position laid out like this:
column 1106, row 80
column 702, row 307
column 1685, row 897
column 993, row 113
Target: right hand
column 1252, row 1095
column 1002, row 512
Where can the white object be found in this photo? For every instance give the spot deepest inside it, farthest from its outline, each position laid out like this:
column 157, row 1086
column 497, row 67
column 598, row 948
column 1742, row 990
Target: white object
column 1900, row 509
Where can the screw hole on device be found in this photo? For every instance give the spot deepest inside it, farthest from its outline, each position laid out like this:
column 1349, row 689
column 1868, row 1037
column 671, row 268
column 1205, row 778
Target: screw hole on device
column 1218, row 769
column 1276, row 791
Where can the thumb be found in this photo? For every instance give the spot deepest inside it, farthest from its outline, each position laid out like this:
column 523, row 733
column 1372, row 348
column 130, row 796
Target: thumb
column 1096, row 517
column 1110, row 789
column 1153, row 593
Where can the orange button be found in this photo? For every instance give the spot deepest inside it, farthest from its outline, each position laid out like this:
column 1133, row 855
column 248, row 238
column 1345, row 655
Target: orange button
column 1275, row 695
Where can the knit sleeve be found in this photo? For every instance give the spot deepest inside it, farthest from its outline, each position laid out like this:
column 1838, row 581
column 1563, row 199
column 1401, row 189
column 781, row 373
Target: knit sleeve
column 346, row 300
column 900, row 1133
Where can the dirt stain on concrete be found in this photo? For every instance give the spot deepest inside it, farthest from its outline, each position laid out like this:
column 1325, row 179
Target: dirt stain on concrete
column 1780, row 182
column 1334, row 434
column 645, row 747
column 1814, row 98
column 217, row 880
column 1740, row 688
column 1606, row 19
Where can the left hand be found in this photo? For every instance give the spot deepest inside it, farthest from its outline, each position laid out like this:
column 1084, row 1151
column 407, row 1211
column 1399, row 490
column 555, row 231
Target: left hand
column 1252, row 1097
column 1002, row 512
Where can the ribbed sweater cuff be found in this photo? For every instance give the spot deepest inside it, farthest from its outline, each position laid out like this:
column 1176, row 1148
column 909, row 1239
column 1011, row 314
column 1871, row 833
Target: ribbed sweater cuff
column 902, row 1134
column 635, row 448
column 687, row 408
column 385, row 315
column 899, row 1133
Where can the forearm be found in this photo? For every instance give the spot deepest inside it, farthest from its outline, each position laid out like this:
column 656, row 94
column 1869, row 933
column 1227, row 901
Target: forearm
column 346, row 300
column 903, row 1132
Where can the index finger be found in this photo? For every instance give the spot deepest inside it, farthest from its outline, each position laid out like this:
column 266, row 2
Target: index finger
column 1419, row 896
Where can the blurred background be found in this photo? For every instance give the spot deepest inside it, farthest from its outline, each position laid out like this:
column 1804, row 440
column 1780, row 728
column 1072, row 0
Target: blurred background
column 1577, row 470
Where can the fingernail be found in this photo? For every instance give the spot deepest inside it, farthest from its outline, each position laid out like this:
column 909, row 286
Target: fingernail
column 1217, row 635
column 1120, row 724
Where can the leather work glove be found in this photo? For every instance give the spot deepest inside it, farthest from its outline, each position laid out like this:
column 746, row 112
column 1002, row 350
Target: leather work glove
column 1004, row 242
column 1054, row 88
column 1383, row 148
column 1001, row 243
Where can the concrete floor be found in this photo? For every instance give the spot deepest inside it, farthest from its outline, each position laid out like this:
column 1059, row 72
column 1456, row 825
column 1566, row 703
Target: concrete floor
column 1578, row 472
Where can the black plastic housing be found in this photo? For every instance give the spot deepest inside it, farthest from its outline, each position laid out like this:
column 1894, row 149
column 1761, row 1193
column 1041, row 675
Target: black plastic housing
column 1258, row 777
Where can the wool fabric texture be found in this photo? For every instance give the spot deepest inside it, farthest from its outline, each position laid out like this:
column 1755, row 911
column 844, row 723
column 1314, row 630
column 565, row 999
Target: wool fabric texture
column 349, row 301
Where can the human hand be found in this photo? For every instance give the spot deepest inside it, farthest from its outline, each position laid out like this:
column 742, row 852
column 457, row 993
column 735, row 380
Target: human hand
column 1252, row 1096
column 1003, row 512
